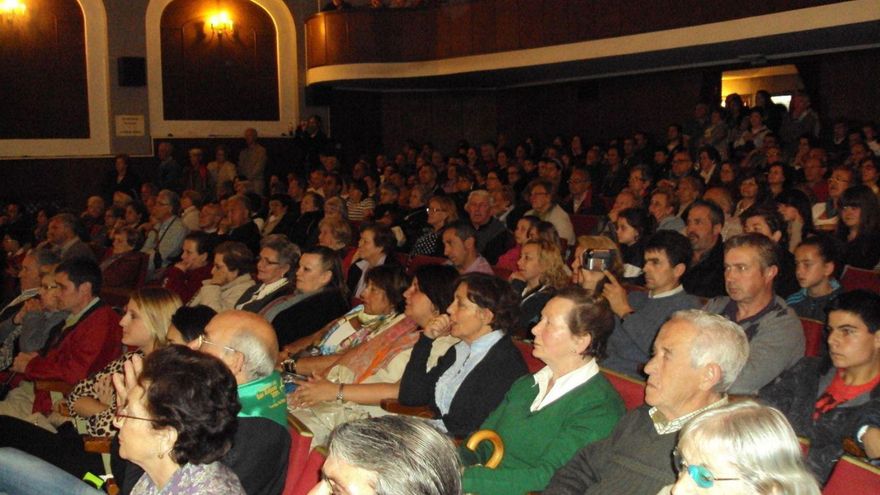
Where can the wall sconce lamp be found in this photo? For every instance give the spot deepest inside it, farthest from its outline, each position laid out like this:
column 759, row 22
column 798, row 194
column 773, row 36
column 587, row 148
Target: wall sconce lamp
column 220, row 23
column 10, row 9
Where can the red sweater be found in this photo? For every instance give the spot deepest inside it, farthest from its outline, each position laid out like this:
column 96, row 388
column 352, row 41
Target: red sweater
column 186, row 284
column 84, row 349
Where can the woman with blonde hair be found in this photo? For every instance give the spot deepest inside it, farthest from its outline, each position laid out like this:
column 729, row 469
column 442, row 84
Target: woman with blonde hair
column 441, row 212
column 741, row 448
column 595, row 250
column 541, row 274
column 92, row 402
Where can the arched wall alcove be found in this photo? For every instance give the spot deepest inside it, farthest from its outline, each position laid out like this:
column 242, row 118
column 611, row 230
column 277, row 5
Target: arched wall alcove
column 203, row 82
column 55, row 80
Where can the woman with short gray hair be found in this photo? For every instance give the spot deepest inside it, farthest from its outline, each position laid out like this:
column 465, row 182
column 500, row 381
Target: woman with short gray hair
column 275, row 265
column 390, row 455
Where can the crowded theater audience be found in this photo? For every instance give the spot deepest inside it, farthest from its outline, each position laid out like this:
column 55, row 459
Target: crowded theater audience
column 497, row 285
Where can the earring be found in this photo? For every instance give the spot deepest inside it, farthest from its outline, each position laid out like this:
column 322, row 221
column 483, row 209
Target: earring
column 161, row 455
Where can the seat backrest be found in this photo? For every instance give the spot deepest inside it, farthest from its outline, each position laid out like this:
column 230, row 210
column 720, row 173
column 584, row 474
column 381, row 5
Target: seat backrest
column 851, row 476
column 525, row 348
column 632, row 391
column 501, row 272
column 300, row 445
column 416, row 261
column 814, row 335
column 311, row 475
column 584, row 224
column 858, row 278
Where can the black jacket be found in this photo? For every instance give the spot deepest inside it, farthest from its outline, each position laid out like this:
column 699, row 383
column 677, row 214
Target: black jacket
column 480, row 392
column 795, row 393
column 309, row 315
column 706, row 278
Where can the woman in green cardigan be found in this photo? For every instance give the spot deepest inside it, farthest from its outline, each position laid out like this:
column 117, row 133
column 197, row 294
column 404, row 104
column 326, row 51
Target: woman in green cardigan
column 546, row 417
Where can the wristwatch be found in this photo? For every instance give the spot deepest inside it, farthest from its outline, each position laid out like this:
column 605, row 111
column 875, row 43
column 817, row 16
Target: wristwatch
column 289, row 365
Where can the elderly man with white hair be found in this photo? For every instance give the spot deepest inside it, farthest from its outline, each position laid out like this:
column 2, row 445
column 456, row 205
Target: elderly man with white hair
column 697, row 356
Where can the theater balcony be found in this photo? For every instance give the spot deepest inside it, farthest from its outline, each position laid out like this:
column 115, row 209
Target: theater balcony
column 508, row 43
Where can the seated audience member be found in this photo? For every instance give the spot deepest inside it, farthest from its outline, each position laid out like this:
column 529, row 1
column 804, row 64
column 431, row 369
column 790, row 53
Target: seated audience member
column 188, row 324
column 815, row 267
column 776, row 338
column 39, row 317
column 334, row 207
column 639, row 182
column 380, row 311
column 815, row 184
column 210, row 217
column 869, row 174
column 305, row 230
column 744, row 447
column 176, row 387
column 92, row 218
column 541, row 272
column 114, row 219
column 187, row 275
column 238, row 226
column 662, row 206
column 35, row 263
column 122, row 266
column 697, row 356
column 493, row 238
column 390, row 454
column 88, row 341
column 358, row 380
column 827, row 213
column 460, row 246
column 521, row 235
column 165, row 240
column 633, row 227
column 320, row 297
column 278, row 256
column 721, row 196
column 415, row 219
column 471, row 378
column 595, row 251
column 687, row 190
column 144, row 327
column 752, row 190
column 280, row 219
column 640, row 314
column 359, row 204
column 230, row 277
column 546, row 417
column 767, row 221
column 794, row 206
column 825, row 400
column 62, row 238
column 540, row 193
column 581, row 200
column 859, row 227
column 375, row 248
column 246, row 344
column 705, row 274
column 336, row 235
column 441, row 212
column 190, row 203
column 624, row 199
column 121, row 178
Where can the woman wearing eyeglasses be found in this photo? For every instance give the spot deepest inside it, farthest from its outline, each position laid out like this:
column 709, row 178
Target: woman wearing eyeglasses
column 742, row 448
column 162, row 425
column 92, row 401
column 277, row 257
column 441, row 212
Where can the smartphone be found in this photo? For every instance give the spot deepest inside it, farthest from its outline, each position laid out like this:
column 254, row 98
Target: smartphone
column 597, row 260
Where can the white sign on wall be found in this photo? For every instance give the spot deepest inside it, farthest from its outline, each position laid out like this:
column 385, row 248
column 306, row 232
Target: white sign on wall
column 129, row 125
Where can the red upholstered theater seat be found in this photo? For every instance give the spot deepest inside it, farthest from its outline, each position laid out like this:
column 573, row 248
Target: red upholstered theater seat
column 852, row 476
column 584, row 224
column 814, row 334
column 525, row 348
column 300, row 444
column 416, row 261
column 632, row 391
column 311, row 475
column 858, row 278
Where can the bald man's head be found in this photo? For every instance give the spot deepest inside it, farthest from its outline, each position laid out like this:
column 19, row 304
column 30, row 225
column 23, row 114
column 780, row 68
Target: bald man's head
column 245, row 341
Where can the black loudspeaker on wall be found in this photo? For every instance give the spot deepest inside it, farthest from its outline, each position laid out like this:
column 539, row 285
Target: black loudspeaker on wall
column 132, row 71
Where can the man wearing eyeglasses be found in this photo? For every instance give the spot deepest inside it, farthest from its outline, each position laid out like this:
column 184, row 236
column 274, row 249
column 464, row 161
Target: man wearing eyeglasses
column 247, row 344
column 696, row 356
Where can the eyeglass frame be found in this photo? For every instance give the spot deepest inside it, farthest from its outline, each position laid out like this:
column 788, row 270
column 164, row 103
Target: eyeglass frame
column 203, row 340
column 118, row 417
column 699, row 474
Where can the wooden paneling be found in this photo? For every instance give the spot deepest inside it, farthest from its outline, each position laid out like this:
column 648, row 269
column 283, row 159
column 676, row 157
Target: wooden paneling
column 211, row 76
column 43, row 73
column 488, row 26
